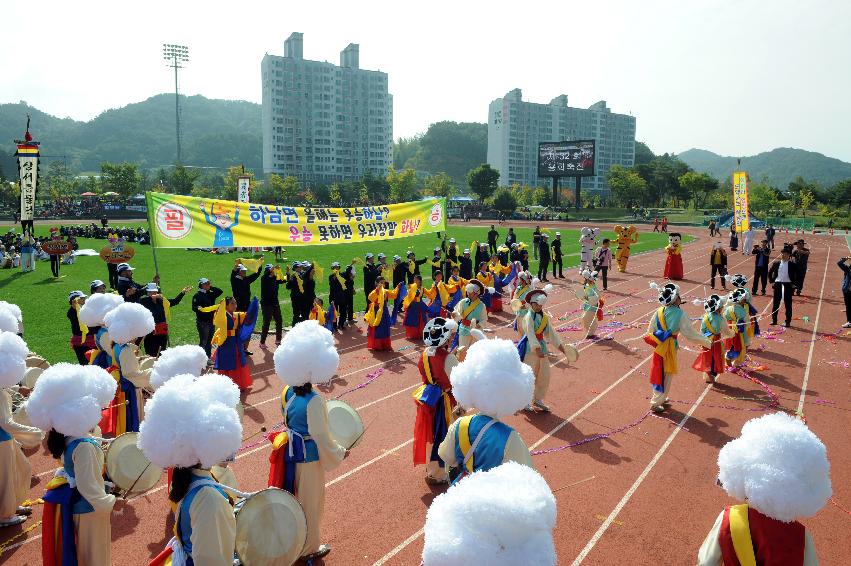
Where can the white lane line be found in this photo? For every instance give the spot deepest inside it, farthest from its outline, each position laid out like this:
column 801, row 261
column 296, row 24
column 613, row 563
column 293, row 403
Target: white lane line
column 371, row 403
column 607, row 523
column 400, row 548
column 813, row 337
column 365, row 464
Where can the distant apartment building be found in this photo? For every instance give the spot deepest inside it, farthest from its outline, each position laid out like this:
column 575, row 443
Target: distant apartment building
column 516, row 127
column 323, row 122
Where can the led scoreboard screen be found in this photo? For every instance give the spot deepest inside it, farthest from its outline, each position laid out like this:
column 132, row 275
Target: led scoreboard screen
column 566, row 159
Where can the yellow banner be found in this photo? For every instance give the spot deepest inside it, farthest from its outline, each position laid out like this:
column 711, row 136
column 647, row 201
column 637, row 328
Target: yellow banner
column 741, row 214
column 189, row 222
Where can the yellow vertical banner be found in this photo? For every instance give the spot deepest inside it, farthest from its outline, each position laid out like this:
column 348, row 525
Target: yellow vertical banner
column 741, row 214
column 179, row 221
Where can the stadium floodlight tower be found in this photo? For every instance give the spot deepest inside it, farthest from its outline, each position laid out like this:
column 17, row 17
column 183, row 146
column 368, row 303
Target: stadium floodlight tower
column 175, row 55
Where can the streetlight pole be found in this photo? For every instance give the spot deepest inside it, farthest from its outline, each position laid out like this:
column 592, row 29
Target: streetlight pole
column 175, row 55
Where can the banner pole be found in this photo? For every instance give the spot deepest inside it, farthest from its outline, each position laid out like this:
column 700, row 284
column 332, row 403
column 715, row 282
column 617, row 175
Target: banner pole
column 151, row 230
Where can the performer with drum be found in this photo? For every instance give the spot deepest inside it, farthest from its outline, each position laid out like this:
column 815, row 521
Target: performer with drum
column 494, row 381
column 434, row 399
column 470, row 312
column 82, row 341
column 208, row 432
column 92, row 314
column 306, row 448
column 67, row 402
column 15, row 470
column 126, row 323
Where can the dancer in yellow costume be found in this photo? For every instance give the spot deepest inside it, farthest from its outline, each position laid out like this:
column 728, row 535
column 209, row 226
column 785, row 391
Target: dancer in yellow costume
column 626, row 236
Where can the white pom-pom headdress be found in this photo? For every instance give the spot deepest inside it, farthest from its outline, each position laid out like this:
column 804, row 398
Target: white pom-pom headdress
column 96, row 308
column 306, row 355
column 69, row 398
column 178, row 360
column 475, row 286
column 13, row 359
column 779, row 466
column 14, row 309
column 191, row 421
column 667, row 294
column 539, row 295
column 492, row 379
column 8, row 323
column 15, row 312
column 128, row 322
column 501, row 517
column 588, row 274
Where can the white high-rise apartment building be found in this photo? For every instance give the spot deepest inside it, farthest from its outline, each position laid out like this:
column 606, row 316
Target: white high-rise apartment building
column 323, row 122
column 515, row 128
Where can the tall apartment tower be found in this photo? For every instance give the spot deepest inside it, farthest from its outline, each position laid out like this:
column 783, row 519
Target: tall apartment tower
column 323, row 122
column 515, row 128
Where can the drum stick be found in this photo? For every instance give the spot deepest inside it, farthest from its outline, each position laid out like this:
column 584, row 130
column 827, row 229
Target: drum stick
column 356, row 440
column 117, row 405
column 262, row 430
column 240, row 494
column 126, row 493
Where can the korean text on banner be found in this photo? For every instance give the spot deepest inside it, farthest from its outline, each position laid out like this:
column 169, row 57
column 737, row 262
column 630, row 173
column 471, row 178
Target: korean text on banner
column 243, row 188
column 189, row 222
column 740, row 201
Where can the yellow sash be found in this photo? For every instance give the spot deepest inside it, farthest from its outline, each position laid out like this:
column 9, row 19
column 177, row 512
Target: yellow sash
column 520, row 293
column 707, row 321
column 741, row 534
column 318, row 315
column 469, row 310
column 299, row 282
column 486, row 279
column 83, row 328
column 411, row 265
column 413, row 290
column 539, row 330
column 463, row 433
column 340, row 280
column 373, row 316
column 166, row 307
column 667, row 349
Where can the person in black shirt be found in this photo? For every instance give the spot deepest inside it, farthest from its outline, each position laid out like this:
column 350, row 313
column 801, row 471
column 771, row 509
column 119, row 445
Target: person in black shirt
column 349, row 276
column 338, row 286
column 240, row 284
column 557, row 255
column 510, row 238
column 544, row 257
column 465, row 268
column 126, row 287
column 783, row 273
column 297, row 285
column 413, row 266
column 97, row 286
column 762, row 255
column 481, row 255
column 451, row 258
column 370, row 272
column 400, row 271
column 769, row 235
column 154, row 301
column 801, row 255
column 536, row 241
column 309, row 289
column 205, row 297
column 270, row 305
column 492, row 236
column 514, row 255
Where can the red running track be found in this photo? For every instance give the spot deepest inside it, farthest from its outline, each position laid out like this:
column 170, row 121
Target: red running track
column 646, row 495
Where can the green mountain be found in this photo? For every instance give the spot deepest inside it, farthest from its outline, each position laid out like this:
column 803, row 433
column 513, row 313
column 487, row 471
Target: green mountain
column 215, row 133
column 780, row 166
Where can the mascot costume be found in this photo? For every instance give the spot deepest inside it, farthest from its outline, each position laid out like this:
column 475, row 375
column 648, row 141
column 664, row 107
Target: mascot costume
column 587, row 241
column 626, row 236
column 674, row 262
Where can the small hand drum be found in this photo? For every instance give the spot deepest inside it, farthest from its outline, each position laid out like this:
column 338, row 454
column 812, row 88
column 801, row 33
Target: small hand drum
column 345, row 423
column 127, row 466
column 271, row 528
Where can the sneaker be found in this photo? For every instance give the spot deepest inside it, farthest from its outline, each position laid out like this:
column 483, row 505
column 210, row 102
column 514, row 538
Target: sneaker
column 24, row 510
column 543, row 407
column 846, row 325
column 530, row 409
column 12, row 521
column 430, row 480
column 658, row 409
column 324, row 549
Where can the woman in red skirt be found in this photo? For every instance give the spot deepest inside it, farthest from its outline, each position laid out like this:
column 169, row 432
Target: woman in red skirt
column 711, row 361
column 233, row 330
column 416, row 315
column 377, row 316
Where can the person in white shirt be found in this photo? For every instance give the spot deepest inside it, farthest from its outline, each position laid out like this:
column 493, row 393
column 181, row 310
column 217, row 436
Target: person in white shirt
column 782, row 275
column 749, row 236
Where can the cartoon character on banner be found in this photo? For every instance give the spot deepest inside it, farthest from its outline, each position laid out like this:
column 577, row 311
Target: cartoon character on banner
column 220, row 218
column 674, row 260
column 626, row 236
column 587, row 241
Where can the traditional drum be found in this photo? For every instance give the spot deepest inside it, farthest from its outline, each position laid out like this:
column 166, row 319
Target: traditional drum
column 36, row 361
column 31, row 375
column 271, row 528
column 345, row 423
column 127, row 467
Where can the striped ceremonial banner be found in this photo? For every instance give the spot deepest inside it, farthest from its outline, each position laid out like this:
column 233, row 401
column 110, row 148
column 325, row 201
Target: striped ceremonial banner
column 740, row 201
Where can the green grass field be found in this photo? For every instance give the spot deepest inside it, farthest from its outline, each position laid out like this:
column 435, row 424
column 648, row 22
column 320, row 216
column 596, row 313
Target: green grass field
column 43, row 299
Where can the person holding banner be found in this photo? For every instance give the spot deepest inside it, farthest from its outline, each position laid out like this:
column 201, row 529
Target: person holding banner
column 377, row 316
column 240, row 283
column 201, row 303
column 306, row 449
column 126, row 287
